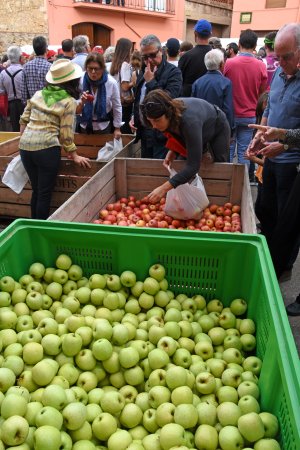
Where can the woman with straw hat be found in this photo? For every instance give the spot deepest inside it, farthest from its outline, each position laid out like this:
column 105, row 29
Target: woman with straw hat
column 47, row 124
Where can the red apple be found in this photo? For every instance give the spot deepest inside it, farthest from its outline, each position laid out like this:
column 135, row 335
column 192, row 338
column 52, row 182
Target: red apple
column 103, row 213
column 227, row 212
column 153, row 223
column 176, row 223
column 213, row 208
column 140, row 223
column 236, row 209
column 228, row 205
column 205, row 228
column 220, row 211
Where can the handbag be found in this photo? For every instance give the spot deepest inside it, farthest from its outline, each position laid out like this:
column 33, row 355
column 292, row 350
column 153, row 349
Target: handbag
column 15, row 176
column 3, row 105
column 188, row 200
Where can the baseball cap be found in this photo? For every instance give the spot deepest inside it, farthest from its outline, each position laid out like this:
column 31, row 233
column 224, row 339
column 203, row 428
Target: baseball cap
column 173, row 44
column 214, row 41
column 203, row 27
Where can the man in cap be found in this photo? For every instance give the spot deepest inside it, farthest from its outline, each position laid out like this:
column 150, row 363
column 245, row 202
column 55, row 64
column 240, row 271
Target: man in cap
column 173, row 47
column 191, row 63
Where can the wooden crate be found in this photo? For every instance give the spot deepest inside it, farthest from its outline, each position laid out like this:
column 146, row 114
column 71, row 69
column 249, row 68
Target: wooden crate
column 8, row 135
column 71, row 177
column 124, row 176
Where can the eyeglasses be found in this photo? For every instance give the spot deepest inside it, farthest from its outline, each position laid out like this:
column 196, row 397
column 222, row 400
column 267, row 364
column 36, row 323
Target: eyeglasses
column 151, row 55
column 94, row 69
column 153, row 109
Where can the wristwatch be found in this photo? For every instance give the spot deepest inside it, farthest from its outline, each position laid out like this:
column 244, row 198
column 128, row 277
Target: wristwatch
column 285, row 145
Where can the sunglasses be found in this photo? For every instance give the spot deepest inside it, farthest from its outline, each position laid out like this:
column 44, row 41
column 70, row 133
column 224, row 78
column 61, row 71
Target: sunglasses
column 151, row 55
column 94, row 69
column 153, row 109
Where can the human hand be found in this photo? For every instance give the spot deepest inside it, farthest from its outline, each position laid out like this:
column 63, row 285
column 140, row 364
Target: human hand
column 133, row 78
column 159, row 192
column 86, row 96
column 271, row 149
column 149, row 74
column 170, row 156
column 117, row 133
column 131, row 124
column 269, row 133
column 80, row 160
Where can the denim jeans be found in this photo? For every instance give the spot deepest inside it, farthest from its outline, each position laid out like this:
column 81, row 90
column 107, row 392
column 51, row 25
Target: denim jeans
column 42, row 168
column 241, row 138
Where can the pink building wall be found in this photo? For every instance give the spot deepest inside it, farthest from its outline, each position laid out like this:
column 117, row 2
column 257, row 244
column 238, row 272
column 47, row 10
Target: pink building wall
column 263, row 19
column 123, row 22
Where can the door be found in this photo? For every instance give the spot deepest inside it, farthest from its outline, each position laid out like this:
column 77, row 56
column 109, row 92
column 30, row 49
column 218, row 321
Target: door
column 98, row 34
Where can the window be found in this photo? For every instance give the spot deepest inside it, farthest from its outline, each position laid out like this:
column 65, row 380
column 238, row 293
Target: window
column 246, row 17
column 155, row 5
column 275, row 3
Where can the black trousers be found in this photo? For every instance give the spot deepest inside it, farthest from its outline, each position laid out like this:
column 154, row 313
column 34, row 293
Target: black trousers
column 286, row 236
column 42, row 168
column 152, row 143
column 15, row 110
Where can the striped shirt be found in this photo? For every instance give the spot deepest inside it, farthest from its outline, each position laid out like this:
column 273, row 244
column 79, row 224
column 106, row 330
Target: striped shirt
column 34, row 73
column 48, row 126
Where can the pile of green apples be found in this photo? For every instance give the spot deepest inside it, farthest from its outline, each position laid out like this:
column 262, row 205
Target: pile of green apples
column 111, row 362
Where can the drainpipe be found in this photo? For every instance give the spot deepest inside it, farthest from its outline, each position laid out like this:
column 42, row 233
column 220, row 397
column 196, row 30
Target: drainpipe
column 130, row 27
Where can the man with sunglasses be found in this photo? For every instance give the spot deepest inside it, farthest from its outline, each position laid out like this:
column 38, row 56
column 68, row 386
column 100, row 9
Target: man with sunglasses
column 282, row 111
column 156, row 73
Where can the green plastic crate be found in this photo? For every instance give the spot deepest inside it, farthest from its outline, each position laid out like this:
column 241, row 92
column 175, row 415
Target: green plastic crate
column 216, row 265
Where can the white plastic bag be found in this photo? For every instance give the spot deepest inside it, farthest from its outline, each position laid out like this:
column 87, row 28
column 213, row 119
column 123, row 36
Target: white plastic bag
column 187, row 201
column 110, row 150
column 15, row 176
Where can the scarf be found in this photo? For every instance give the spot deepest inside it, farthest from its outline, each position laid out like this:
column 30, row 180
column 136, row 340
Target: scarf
column 53, row 94
column 100, row 106
column 174, row 145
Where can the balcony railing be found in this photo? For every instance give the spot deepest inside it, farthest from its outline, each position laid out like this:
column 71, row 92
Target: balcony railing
column 228, row 4
column 155, row 6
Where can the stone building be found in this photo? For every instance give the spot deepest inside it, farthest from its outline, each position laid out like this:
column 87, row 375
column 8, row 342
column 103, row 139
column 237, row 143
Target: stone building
column 21, row 20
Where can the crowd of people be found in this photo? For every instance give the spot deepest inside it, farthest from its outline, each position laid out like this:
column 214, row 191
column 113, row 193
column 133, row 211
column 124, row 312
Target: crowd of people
column 180, row 100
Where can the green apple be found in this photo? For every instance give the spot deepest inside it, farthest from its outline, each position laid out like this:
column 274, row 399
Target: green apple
column 134, row 376
column 44, row 371
column 102, row 349
column 25, row 280
column 227, row 320
column 182, row 394
column 128, row 278
column 248, row 404
column 104, row 425
column 207, row 414
column 63, row 262
column 7, row 337
column 248, row 342
column 231, row 377
column 227, row 394
column 49, row 416
column 120, row 335
column 247, row 326
column 252, row 363
column 102, row 329
column 157, row 271
column 47, row 437
column 66, row 441
column 165, row 414
column 158, row 395
column 204, row 349
column 138, row 433
column 205, row 383
column 182, row 357
column 7, row 284
column 5, row 299
column 131, row 415
column 12, row 405
column 128, row 357
column 266, row 444
column 69, row 287
column 251, row 427
column 232, row 355
column 270, row 424
column 146, row 301
column 7, row 379
column 25, row 323
column 228, row 413
column 230, row 437
column 238, row 306
column 216, row 367
column 54, row 290
column 51, row 344
column 119, row 440
column 186, row 415
column 33, row 352
column 129, row 393
column 71, row 344
column 248, row 388
column 112, row 402
column 171, row 435
column 84, row 444
column 60, row 276
column 25, row 380
column 85, row 359
column 75, row 272
column 161, row 298
column 232, row 341
column 14, row 430
column 151, row 442
column 137, row 289
column 70, row 372
column 84, row 433
column 48, row 274
column 87, row 380
column 217, row 335
column 32, row 409
column 176, row 376
column 113, row 282
column 72, row 304
column 247, row 375
column 157, row 378
column 74, row 415
column 112, row 364
column 158, row 358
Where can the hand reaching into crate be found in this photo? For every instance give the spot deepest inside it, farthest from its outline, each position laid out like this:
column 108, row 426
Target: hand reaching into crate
column 81, row 160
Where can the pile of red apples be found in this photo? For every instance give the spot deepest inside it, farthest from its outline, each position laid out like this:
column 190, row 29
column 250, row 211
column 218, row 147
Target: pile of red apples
column 128, row 211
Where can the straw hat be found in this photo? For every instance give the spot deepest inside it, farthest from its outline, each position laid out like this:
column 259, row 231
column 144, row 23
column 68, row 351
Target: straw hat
column 63, row 70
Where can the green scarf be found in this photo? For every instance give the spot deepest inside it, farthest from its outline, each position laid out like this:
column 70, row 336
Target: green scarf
column 53, row 94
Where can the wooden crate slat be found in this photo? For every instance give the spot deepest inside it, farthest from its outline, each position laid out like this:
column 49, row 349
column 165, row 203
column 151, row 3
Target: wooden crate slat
column 14, row 210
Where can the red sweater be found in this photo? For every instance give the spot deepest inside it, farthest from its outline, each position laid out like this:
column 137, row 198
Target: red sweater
column 249, row 78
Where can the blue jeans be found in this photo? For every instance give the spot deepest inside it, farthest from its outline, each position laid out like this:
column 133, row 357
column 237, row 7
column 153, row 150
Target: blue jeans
column 241, row 138
column 42, row 168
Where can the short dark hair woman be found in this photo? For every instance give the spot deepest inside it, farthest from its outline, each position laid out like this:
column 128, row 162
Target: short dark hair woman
column 100, row 106
column 46, row 125
column 189, row 124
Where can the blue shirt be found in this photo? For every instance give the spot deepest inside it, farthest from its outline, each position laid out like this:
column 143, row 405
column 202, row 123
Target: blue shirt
column 216, row 89
column 34, row 77
column 80, row 59
column 283, row 110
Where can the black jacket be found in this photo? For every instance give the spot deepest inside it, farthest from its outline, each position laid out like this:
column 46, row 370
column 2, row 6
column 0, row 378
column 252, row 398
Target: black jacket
column 192, row 67
column 167, row 77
